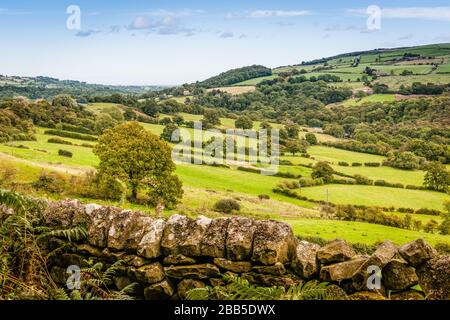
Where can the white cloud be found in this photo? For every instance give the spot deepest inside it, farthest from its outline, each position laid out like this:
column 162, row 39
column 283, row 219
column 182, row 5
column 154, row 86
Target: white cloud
column 227, row 34
column 168, row 25
column 178, row 13
column 429, row 13
column 277, row 13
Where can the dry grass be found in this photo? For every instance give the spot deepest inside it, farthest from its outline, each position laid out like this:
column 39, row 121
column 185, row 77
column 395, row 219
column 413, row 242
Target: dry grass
column 236, row 90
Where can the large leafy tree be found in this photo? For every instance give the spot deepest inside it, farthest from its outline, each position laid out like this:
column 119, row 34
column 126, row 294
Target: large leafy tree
column 437, row 177
column 323, row 170
column 140, row 160
column 243, row 122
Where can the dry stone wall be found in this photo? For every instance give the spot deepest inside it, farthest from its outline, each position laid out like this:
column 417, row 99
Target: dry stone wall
column 168, row 258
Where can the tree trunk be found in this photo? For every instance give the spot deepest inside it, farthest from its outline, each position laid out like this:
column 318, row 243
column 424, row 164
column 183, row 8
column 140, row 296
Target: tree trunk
column 133, row 195
column 159, row 209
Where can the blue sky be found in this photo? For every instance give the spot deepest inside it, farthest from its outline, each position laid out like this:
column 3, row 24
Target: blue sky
column 172, row 42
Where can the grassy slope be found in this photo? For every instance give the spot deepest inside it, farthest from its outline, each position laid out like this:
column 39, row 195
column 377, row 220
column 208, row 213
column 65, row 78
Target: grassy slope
column 359, row 231
column 377, row 196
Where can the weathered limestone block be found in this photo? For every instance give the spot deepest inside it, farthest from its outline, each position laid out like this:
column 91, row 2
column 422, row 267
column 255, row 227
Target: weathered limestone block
column 151, row 273
column 183, row 235
column 5, row 213
column 417, row 252
column 60, row 215
column 233, row 266
column 135, row 261
column 304, row 261
column 268, row 280
column 196, row 272
column 384, row 253
column 126, row 230
column 336, row 251
column 159, row 291
column 367, row 295
column 407, row 295
column 178, row 259
column 341, row 271
column 150, row 245
column 70, row 259
column 398, row 275
column 186, row 285
column 122, row 282
column 277, row 269
column 88, row 250
column 100, row 222
column 434, row 278
column 273, row 242
column 59, row 275
column 214, row 240
column 240, row 238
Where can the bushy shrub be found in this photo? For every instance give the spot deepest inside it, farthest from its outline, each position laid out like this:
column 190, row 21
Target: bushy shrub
column 308, row 182
column 92, row 185
column 405, row 210
column 431, row 212
column 289, row 185
column 7, row 174
column 380, row 183
column 343, row 181
column 362, row 180
column 50, row 182
column 227, row 206
column 264, row 197
column 372, row 164
column 65, row 153
column 383, row 183
column 73, row 135
column 59, row 141
column 343, row 164
column 356, row 164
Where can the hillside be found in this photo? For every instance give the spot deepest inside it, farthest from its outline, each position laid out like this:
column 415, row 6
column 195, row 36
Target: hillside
column 392, row 67
column 47, row 87
column 236, row 75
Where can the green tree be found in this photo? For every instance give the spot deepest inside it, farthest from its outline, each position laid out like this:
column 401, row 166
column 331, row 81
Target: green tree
column 311, row 138
column 140, row 160
column 150, row 108
column 243, row 122
column 334, row 130
column 402, row 160
column 168, row 132
column 292, row 130
column 296, row 146
column 437, row 177
column 323, row 170
column 210, row 118
column 179, row 120
column 431, row 226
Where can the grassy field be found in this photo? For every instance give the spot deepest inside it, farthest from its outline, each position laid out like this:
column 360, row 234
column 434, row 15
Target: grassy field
column 359, row 232
column 335, row 155
column 377, row 196
column 43, row 152
column 372, row 98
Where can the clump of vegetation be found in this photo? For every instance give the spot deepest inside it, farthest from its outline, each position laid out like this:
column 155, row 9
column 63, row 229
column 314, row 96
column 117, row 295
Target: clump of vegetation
column 240, row 289
column 65, row 153
column 72, row 135
column 227, row 206
column 243, row 122
column 324, row 171
column 51, row 182
column 59, row 141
